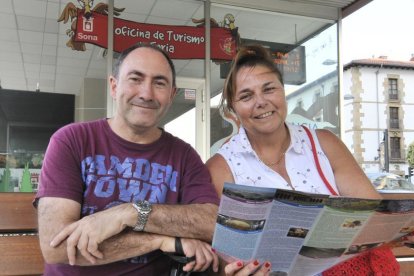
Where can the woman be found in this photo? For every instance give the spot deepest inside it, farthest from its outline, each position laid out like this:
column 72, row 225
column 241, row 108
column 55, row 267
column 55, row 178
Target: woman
column 268, row 152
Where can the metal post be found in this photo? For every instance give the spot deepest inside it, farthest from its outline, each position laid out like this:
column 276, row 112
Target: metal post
column 339, row 70
column 386, row 152
column 109, row 57
column 207, row 87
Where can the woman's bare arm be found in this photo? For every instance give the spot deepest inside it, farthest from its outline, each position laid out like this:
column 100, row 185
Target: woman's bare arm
column 220, row 172
column 349, row 177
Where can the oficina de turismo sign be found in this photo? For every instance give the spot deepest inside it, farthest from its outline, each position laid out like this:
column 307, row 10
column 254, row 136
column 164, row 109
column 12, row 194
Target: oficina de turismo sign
column 180, row 42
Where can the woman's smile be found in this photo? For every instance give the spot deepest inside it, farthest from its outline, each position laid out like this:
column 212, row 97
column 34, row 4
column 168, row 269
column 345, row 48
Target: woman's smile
column 264, row 115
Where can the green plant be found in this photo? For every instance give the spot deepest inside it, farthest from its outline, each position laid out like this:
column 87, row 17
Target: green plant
column 5, row 180
column 26, row 184
column 410, row 155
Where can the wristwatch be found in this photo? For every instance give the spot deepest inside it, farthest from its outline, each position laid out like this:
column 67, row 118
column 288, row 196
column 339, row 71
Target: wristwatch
column 143, row 208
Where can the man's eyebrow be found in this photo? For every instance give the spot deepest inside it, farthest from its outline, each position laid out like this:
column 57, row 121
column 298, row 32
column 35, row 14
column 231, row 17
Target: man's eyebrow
column 161, row 77
column 135, row 72
column 141, row 74
column 268, row 83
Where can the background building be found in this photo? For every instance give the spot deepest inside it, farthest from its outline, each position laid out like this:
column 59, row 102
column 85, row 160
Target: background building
column 316, row 104
column 378, row 122
column 378, row 103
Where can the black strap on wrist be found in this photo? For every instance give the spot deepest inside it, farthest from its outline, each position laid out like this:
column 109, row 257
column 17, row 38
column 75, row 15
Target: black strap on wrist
column 179, row 246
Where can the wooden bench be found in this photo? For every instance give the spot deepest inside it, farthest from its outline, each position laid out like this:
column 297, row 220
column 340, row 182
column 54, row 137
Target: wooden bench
column 19, row 243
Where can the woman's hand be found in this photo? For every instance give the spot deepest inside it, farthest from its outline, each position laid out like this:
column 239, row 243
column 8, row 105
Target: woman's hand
column 409, row 240
column 253, row 268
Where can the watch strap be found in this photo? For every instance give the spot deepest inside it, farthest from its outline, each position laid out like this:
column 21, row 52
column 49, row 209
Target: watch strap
column 179, row 246
column 143, row 210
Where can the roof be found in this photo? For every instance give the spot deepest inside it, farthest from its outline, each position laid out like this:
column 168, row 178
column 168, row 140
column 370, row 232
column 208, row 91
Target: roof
column 33, row 44
column 310, row 85
column 380, row 62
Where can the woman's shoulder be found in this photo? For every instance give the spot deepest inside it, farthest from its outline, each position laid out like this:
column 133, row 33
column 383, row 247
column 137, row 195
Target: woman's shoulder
column 236, row 143
column 216, row 161
column 297, row 130
column 325, row 136
column 321, row 134
column 220, row 171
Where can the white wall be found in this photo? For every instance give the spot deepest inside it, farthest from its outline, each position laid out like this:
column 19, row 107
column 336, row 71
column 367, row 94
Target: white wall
column 370, row 84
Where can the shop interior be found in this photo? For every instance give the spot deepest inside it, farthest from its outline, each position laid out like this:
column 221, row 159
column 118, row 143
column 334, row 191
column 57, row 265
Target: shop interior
column 38, row 61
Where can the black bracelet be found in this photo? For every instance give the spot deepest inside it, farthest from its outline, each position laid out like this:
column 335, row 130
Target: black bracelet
column 178, row 246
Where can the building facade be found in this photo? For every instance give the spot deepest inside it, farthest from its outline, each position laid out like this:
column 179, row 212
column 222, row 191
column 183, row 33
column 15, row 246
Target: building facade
column 378, row 106
column 316, row 104
column 378, row 103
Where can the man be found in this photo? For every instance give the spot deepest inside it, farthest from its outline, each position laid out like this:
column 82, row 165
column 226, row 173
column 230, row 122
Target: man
column 109, row 192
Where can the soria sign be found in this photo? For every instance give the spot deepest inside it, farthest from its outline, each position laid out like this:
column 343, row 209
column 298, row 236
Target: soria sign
column 180, row 42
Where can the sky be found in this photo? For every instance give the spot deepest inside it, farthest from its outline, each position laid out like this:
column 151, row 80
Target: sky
column 380, row 28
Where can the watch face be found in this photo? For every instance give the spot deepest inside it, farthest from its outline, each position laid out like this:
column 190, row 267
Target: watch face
column 144, row 209
column 145, row 206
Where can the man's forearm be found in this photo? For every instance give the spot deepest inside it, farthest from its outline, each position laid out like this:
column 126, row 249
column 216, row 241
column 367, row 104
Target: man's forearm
column 127, row 244
column 189, row 221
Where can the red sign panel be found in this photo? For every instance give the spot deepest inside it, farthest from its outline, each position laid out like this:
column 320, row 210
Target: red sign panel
column 180, row 42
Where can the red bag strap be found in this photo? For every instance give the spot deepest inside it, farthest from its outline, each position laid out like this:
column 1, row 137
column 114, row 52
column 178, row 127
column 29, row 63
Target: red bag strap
column 318, row 166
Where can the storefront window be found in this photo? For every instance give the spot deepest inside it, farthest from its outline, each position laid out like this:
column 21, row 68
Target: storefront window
column 27, row 120
column 43, row 57
column 307, row 60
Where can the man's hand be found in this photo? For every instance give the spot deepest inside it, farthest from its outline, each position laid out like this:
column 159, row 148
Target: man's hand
column 87, row 233
column 204, row 255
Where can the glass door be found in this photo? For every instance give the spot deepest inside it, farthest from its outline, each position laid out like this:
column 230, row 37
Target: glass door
column 186, row 118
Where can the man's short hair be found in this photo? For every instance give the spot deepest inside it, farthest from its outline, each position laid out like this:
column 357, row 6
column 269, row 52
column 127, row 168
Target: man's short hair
column 126, row 52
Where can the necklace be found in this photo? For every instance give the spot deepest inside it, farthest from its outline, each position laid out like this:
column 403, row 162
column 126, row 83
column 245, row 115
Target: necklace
column 277, row 161
column 271, row 164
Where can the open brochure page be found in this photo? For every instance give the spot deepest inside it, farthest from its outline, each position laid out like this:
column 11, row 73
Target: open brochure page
column 328, row 242
column 395, row 218
column 241, row 217
column 291, row 217
column 305, row 234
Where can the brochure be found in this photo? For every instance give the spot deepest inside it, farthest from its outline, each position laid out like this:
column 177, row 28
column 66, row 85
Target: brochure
column 302, row 233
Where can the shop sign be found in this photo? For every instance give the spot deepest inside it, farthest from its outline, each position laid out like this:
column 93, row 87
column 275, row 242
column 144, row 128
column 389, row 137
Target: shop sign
column 180, row 42
column 189, row 94
column 289, row 59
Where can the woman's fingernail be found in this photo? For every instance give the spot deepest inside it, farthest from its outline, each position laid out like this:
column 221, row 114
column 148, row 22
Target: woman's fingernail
column 256, row 262
column 404, row 238
column 267, row 265
column 213, row 250
column 239, row 264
